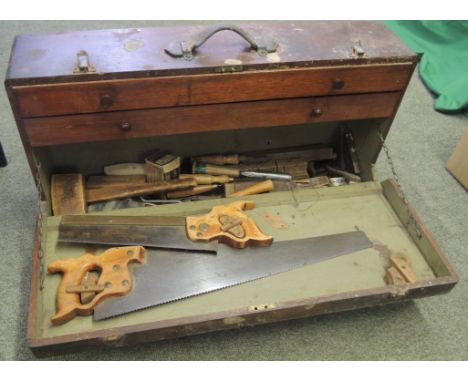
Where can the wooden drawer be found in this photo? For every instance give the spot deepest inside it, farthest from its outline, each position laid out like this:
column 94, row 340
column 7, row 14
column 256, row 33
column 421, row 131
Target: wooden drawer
column 177, row 120
column 155, row 92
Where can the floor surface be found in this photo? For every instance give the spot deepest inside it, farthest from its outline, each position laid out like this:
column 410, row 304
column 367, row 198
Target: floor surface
column 436, row 328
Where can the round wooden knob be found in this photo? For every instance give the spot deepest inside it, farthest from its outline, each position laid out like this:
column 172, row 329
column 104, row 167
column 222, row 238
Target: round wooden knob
column 337, row 83
column 125, row 126
column 106, row 101
column 317, row 112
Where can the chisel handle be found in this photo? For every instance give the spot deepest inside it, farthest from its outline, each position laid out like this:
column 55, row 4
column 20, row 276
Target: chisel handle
column 256, row 188
column 203, row 168
column 191, row 191
column 218, row 159
column 207, row 179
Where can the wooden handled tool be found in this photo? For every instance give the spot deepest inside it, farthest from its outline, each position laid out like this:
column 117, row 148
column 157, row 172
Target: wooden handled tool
column 344, row 174
column 210, row 169
column 228, row 224
column 115, row 280
column 207, row 179
column 125, row 169
column 218, row 159
column 114, row 180
column 257, row 188
column 119, row 192
column 191, row 191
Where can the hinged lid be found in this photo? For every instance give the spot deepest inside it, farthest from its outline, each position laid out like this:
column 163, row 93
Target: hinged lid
column 121, row 53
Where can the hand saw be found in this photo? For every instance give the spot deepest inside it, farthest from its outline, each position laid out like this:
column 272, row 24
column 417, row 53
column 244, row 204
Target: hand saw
column 227, row 224
column 169, row 276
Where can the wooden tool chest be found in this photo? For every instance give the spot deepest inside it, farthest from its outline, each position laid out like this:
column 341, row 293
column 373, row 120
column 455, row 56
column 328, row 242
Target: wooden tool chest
column 85, row 100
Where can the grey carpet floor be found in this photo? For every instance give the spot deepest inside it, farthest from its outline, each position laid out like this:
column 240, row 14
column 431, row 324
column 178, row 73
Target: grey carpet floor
column 435, row 328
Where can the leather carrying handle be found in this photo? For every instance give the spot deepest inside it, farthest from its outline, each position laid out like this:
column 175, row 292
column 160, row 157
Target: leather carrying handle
column 186, row 48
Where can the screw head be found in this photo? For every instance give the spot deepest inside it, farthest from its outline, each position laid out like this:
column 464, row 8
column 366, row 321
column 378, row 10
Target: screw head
column 317, row 112
column 125, row 126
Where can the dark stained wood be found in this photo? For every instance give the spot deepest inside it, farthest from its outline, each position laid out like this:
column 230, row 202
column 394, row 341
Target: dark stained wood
column 309, row 307
column 67, row 193
column 189, row 119
column 130, row 53
column 154, row 92
column 314, row 77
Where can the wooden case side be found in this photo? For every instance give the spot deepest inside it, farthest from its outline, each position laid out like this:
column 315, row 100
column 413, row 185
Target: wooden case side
column 418, row 232
column 249, row 316
column 35, row 288
column 23, row 135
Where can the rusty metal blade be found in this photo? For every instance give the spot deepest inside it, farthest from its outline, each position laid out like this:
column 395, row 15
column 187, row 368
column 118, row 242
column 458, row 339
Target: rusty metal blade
column 171, row 237
column 170, row 276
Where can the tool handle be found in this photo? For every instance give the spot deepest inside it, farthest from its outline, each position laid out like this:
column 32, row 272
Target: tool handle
column 218, row 159
column 125, row 169
column 228, row 224
column 207, row 179
column 211, row 169
column 191, row 191
column 118, row 192
column 115, row 277
column 257, row 188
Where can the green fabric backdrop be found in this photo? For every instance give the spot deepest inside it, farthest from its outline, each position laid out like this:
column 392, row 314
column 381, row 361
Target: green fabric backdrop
column 444, row 64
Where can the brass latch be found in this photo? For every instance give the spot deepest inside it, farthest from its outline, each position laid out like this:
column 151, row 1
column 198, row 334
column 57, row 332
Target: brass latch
column 358, row 51
column 82, row 63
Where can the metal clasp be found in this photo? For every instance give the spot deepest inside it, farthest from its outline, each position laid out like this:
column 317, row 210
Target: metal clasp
column 82, row 63
column 358, row 51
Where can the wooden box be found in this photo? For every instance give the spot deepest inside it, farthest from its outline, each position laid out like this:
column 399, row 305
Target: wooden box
column 84, row 100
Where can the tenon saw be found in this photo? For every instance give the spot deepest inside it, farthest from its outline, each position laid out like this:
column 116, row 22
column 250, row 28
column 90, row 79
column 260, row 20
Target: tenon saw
column 226, row 224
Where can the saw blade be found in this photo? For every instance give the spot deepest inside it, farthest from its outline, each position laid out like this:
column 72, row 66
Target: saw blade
column 170, row 276
column 171, row 237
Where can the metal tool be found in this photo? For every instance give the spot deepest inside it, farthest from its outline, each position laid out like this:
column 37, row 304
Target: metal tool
column 266, row 175
column 168, row 276
column 339, row 181
column 192, row 233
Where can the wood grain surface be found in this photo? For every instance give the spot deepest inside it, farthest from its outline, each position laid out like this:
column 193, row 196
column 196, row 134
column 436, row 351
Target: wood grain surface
column 169, row 121
column 154, row 92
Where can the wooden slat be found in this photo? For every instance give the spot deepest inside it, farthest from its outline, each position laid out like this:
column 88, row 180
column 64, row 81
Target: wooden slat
column 67, row 194
column 100, row 96
column 190, row 119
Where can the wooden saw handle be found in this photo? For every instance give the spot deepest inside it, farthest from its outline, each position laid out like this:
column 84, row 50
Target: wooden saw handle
column 115, row 279
column 230, row 225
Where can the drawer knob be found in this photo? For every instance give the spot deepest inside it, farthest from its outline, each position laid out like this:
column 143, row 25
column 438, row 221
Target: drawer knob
column 337, row 83
column 317, row 112
column 106, row 101
column 125, row 126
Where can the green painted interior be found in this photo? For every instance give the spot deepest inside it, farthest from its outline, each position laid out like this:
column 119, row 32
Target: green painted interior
column 319, row 212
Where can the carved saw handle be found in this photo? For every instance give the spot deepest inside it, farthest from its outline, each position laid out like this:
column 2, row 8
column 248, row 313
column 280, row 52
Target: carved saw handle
column 115, row 279
column 230, row 225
